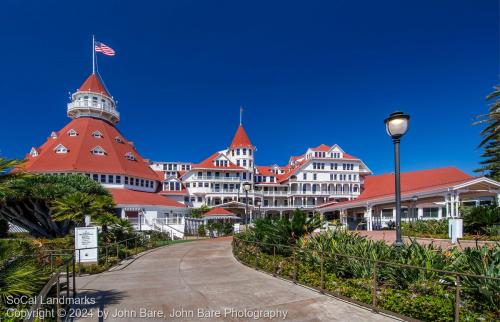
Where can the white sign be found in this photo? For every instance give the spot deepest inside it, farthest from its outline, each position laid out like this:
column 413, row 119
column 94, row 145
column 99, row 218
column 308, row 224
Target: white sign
column 236, row 228
column 455, row 229
column 86, row 244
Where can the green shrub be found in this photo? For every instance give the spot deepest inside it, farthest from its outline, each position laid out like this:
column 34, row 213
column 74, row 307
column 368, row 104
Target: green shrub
column 483, row 220
column 201, row 230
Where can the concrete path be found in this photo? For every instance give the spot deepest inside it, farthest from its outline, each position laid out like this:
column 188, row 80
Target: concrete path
column 203, row 278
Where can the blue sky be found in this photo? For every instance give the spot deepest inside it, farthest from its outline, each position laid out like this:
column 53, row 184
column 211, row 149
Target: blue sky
column 308, row 72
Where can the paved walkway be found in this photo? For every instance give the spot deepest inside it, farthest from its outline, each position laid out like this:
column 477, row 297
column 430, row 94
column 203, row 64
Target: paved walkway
column 203, row 275
column 389, row 236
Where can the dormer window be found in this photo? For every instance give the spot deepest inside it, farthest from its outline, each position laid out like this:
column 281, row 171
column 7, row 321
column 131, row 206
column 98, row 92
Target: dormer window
column 98, row 151
column 130, row 156
column 53, row 135
column 60, row 149
column 72, row 133
column 119, row 139
column 34, row 152
column 97, row 135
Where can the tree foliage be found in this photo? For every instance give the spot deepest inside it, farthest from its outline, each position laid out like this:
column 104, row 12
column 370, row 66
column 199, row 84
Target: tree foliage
column 28, row 201
column 491, row 137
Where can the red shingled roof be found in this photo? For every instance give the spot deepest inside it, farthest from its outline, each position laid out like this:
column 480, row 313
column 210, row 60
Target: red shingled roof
column 94, row 84
column 241, row 139
column 208, row 163
column 131, row 197
column 411, row 182
column 218, row 212
column 79, row 157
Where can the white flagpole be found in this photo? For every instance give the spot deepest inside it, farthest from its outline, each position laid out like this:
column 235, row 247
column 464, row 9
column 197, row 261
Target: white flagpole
column 241, row 114
column 93, row 54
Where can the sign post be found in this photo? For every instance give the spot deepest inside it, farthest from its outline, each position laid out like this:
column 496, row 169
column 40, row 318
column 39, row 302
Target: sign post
column 86, row 250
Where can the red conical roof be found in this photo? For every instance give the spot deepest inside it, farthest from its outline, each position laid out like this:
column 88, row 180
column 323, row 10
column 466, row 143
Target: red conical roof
column 79, row 157
column 241, row 139
column 94, row 84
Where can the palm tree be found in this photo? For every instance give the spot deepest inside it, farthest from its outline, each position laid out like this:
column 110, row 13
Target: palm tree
column 76, row 205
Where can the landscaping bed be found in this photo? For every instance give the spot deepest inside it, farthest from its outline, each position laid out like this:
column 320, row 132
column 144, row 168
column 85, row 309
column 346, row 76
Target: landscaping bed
column 350, row 266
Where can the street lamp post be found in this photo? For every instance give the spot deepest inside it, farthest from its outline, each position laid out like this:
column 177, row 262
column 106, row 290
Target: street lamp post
column 246, row 187
column 258, row 203
column 397, row 125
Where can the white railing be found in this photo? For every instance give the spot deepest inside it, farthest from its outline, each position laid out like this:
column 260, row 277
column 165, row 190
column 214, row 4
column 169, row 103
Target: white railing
column 93, row 106
column 169, row 221
column 288, row 207
column 219, row 178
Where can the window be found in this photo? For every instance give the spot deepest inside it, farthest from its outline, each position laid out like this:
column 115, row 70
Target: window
column 130, row 156
column 118, row 179
column 315, row 176
column 331, row 176
column 244, row 163
column 98, row 151
column 61, row 149
column 136, row 181
column 430, row 212
column 304, row 176
column 103, row 178
column 72, row 133
column 118, row 139
column 387, row 213
column 244, row 151
column 142, row 182
column 95, row 177
column 97, row 134
column 237, row 151
column 34, row 152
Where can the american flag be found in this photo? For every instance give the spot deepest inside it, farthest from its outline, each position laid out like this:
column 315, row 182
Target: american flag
column 102, row 48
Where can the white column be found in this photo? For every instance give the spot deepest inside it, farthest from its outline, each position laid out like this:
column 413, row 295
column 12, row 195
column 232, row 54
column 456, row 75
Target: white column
column 420, row 213
column 457, row 205
column 368, row 217
column 447, row 204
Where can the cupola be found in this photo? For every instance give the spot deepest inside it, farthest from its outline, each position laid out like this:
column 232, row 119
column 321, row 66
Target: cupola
column 92, row 99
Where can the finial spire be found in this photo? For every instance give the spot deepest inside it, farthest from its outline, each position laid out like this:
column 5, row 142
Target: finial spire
column 241, row 115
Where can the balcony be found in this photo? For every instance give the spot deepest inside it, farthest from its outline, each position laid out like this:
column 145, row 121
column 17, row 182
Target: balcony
column 92, row 108
column 218, row 178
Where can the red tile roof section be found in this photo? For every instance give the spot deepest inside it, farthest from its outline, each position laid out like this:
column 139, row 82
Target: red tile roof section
column 132, row 197
column 218, row 212
column 80, row 159
column 241, row 139
column 94, row 84
column 414, row 181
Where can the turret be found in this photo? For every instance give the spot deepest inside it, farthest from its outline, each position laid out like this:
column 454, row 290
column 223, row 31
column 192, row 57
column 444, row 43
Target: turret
column 93, row 100
column 241, row 151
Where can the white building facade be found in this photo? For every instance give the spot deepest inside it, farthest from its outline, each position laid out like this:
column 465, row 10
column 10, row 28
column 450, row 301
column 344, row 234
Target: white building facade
column 320, row 175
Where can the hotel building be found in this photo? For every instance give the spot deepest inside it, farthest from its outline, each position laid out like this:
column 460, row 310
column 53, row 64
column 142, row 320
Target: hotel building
column 91, row 145
column 322, row 174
